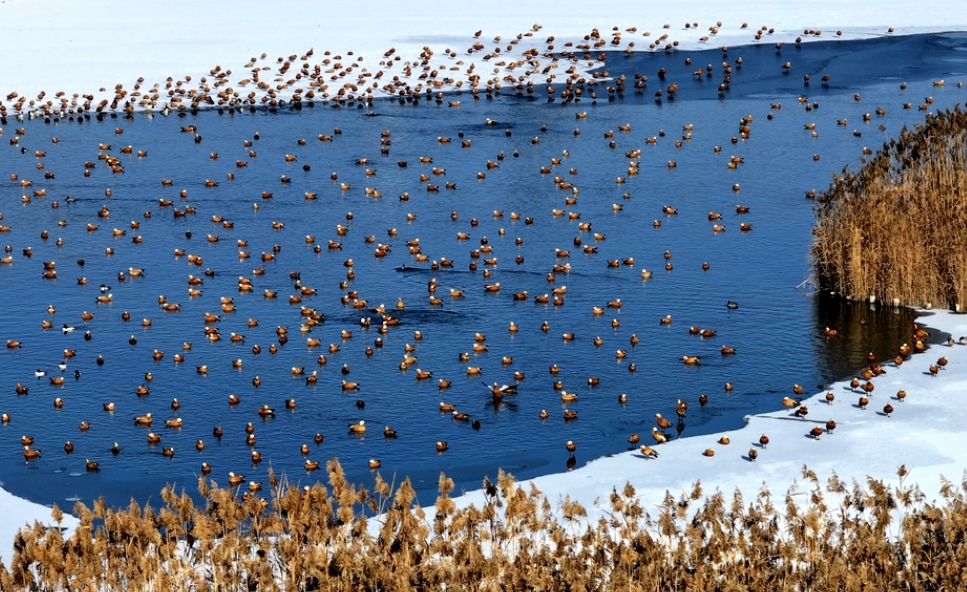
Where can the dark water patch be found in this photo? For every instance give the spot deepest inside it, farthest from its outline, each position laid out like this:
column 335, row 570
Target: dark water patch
column 865, row 326
column 852, row 66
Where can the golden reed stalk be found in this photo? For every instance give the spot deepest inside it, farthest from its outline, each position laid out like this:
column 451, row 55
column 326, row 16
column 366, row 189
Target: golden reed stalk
column 896, row 229
column 832, row 536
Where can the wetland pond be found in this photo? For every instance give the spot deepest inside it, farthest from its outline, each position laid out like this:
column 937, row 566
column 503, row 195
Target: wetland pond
column 517, row 223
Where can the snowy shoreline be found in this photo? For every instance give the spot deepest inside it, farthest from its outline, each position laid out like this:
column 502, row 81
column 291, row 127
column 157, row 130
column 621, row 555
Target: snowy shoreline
column 68, row 48
column 108, row 62
column 922, row 433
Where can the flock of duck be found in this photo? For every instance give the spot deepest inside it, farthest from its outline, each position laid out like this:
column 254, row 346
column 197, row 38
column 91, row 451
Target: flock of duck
column 381, row 319
column 521, row 63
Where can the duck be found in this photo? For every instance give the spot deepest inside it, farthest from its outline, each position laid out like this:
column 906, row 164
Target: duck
column 143, row 419
column 659, row 437
column 499, row 390
column 358, row 428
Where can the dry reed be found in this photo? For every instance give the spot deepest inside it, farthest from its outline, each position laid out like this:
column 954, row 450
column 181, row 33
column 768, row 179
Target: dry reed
column 895, row 229
column 859, row 536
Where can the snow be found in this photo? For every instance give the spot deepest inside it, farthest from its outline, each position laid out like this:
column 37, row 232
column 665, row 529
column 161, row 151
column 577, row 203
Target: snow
column 68, row 47
column 924, row 434
column 74, row 47
column 19, row 513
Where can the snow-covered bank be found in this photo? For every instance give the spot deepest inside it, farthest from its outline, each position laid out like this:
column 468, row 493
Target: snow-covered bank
column 17, row 513
column 64, row 56
column 924, row 433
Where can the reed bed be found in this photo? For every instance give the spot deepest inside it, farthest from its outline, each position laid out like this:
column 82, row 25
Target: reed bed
column 895, row 229
column 832, row 535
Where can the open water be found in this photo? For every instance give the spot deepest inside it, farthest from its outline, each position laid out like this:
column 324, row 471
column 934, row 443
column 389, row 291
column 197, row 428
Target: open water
column 777, row 329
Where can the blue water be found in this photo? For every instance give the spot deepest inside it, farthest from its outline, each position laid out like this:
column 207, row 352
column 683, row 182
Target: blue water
column 777, row 329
